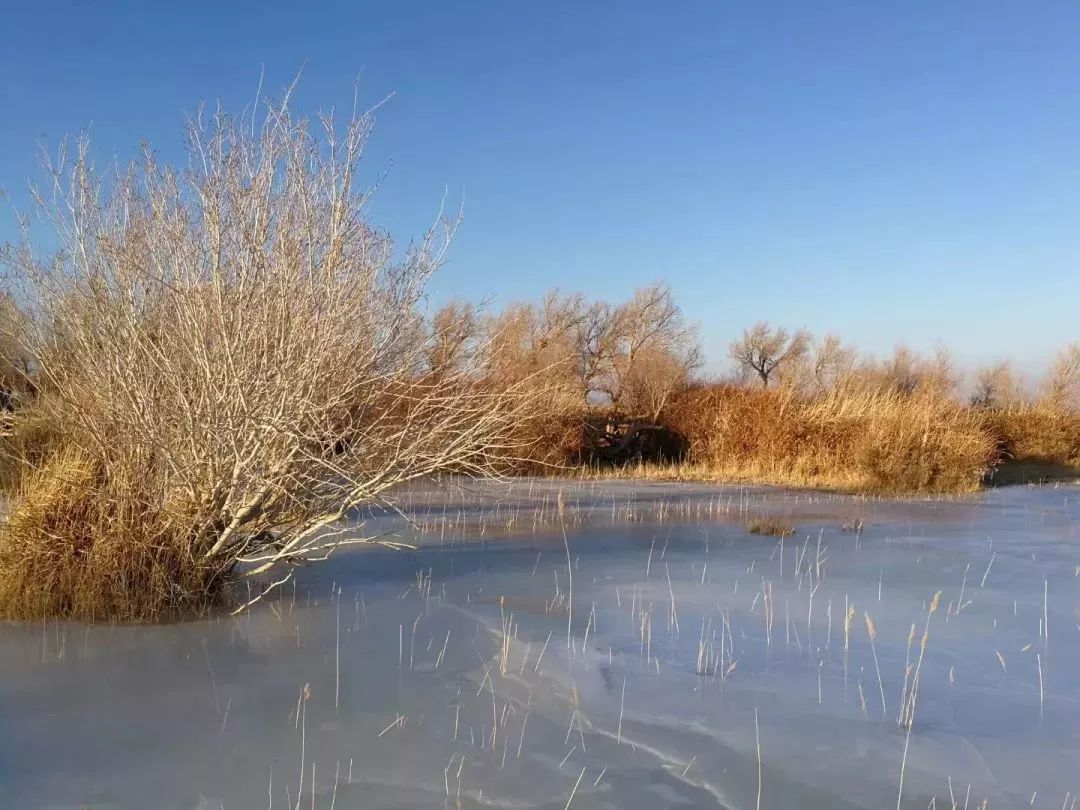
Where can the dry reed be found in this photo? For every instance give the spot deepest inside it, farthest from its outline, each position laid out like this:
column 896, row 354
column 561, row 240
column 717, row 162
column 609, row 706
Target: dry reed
column 865, row 440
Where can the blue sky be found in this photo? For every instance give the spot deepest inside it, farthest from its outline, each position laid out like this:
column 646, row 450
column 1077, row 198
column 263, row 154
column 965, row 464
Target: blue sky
column 891, row 172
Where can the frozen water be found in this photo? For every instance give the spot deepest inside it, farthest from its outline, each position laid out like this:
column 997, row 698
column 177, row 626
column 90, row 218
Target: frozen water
column 483, row 670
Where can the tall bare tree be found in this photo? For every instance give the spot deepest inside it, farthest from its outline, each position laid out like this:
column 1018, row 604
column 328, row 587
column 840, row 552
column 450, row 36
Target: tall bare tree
column 762, row 350
column 627, row 357
column 598, row 336
column 659, row 351
column 539, row 342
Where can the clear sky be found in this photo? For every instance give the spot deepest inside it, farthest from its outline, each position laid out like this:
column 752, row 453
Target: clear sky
column 889, row 171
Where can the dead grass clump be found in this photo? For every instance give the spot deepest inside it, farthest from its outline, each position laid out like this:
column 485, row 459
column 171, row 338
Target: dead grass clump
column 770, row 526
column 73, row 549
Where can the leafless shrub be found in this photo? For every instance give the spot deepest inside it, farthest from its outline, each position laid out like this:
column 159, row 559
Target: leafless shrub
column 996, row 387
column 534, row 348
column 904, row 372
column 234, row 361
column 655, row 354
column 832, row 362
column 1061, row 388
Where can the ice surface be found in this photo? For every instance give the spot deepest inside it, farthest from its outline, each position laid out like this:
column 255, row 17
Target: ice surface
column 446, row 677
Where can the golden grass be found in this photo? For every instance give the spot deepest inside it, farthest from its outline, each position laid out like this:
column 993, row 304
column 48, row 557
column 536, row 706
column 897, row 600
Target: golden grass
column 753, row 472
column 860, row 441
column 69, row 549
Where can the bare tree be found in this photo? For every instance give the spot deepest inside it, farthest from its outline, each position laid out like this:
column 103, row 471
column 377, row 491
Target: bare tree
column 594, row 357
column 941, row 373
column 832, row 361
column 236, row 357
column 906, row 371
column 539, row 342
column 618, row 347
column 1061, row 388
column 995, row 386
column 763, row 350
column 658, row 373
column 598, row 336
column 901, row 371
column 659, row 352
column 455, row 332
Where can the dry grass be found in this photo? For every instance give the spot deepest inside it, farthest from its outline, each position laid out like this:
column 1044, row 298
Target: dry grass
column 770, row 526
column 863, row 441
column 73, row 548
column 868, row 441
column 1038, row 441
column 31, row 436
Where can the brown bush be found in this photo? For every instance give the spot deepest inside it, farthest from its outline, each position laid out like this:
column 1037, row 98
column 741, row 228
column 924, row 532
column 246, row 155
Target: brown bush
column 549, row 443
column 1037, row 441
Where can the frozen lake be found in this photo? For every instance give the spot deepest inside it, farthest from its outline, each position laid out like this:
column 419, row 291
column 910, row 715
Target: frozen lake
column 552, row 644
